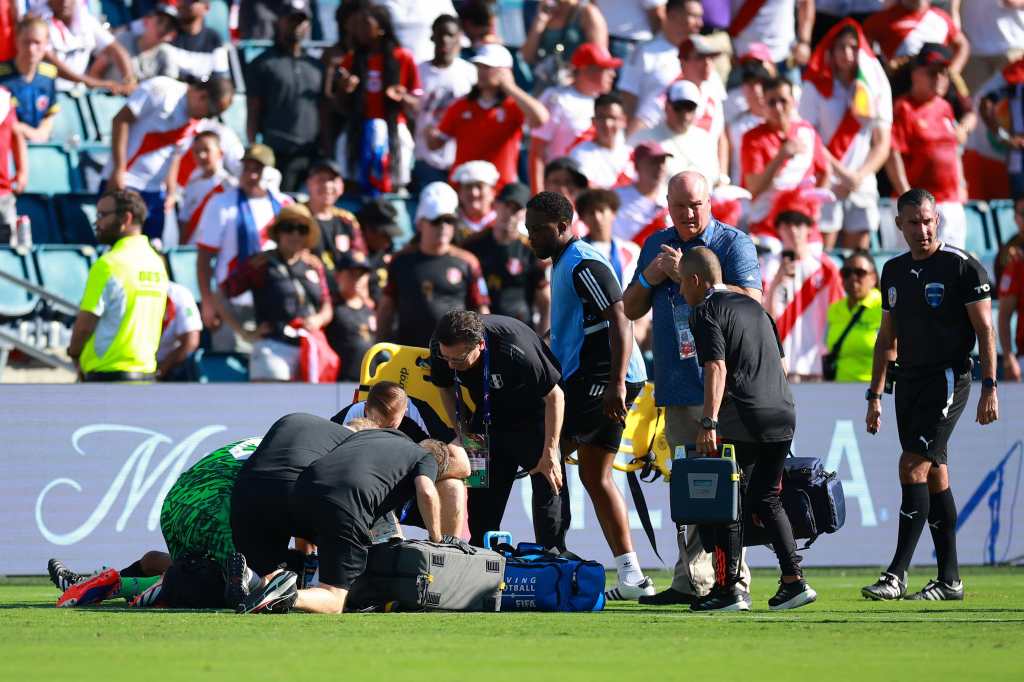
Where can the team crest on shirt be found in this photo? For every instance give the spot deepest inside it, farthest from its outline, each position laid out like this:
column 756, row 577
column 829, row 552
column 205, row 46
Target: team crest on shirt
column 42, row 103
column 892, row 297
column 499, row 115
column 514, row 266
column 933, row 293
column 496, row 381
column 454, row 275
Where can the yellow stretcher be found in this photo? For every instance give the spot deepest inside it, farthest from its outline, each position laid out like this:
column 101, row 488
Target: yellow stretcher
column 408, row 366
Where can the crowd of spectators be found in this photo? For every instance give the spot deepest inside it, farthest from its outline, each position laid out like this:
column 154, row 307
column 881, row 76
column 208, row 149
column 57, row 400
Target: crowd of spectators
column 800, row 114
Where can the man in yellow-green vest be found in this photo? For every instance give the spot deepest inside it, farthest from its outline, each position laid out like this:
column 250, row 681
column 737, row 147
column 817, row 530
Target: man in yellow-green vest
column 117, row 331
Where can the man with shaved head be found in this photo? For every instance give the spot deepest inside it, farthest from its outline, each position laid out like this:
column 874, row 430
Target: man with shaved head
column 677, row 376
column 747, row 403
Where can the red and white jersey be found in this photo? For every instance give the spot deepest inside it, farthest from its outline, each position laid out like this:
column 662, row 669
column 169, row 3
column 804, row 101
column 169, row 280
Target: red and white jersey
column 218, row 228
column 623, row 260
column 901, row 33
column 761, row 144
column 8, row 119
column 924, row 133
column 231, row 148
column 197, row 195
column 181, row 316
column 477, row 225
column 571, row 113
column 75, row 43
column 772, row 22
column 804, row 300
column 711, row 115
column 650, row 69
column 637, row 212
column 826, row 114
column 162, row 128
column 1011, row 283
column 605, row 168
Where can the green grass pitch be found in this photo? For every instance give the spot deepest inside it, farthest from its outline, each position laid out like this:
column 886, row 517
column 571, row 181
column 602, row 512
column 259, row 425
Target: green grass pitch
column 841, row 637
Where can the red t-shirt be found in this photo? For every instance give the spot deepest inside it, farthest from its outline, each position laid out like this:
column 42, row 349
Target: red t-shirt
column 1011, row 283
column 373, row 81
column 486, row 134
column 925, row 134
column 6, row 140
column 901, row 33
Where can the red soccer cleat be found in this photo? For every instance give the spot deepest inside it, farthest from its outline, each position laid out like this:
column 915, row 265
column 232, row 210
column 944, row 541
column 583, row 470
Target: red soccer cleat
column 92, row 591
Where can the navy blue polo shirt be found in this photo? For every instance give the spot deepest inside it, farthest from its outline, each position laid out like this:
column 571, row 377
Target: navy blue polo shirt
column 678, row 381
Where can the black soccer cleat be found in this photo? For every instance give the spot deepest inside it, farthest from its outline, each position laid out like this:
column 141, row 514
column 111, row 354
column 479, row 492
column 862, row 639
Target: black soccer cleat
column 61, row 576
column 886, row 588
column 236, row 589
column 277, row 596
column 723, row 599
column 668, row 597
column 792, row 596
column 936, row 590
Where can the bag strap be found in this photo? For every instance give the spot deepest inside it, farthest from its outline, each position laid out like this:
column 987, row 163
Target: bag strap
column 640, row 504
column 849, row 327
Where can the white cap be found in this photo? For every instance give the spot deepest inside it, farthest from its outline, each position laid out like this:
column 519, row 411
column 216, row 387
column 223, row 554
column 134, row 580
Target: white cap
column 476, row 171
column 684, row 91
column 492, row 54
column 437, row 199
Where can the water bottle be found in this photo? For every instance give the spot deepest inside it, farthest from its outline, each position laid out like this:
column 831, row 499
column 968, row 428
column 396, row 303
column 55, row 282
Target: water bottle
column 21, row 235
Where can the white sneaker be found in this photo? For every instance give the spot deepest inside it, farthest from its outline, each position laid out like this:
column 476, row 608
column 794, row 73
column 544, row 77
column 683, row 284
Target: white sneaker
column 624, row 592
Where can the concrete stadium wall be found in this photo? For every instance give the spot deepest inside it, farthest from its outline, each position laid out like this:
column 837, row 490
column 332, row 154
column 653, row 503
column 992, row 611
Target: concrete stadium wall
column 85, row 469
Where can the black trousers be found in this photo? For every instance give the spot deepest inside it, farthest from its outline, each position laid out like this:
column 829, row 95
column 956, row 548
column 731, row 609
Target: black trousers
column 510, row 452
column 761, row 466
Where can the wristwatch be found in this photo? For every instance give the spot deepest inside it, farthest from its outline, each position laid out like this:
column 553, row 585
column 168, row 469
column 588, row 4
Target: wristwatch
column 708, row 424
column 989, row 383
column 868, row 395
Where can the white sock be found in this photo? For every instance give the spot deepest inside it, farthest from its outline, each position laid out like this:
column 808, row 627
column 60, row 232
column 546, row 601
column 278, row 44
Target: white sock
column 628, row 567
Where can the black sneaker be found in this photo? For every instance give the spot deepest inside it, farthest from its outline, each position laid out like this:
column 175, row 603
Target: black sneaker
column 61, row 576
column 936, row 590
column 667, row 598
column 887, row 587
column 792, row 596
column 723, row 599
column 277, row 596
column 239, row 577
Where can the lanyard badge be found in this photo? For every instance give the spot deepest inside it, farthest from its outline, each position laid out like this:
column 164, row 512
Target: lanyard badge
column 477, row 445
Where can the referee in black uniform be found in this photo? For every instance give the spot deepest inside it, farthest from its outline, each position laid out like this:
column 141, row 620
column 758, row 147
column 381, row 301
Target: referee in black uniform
column 747, row 403
column 935, row 303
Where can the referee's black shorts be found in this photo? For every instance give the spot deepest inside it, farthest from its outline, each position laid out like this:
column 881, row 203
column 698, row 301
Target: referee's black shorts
column 927, row 408
column 585, row 421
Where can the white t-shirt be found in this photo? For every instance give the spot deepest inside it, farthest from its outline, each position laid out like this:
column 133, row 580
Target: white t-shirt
column 774, row 25
column 628, row 18
column 441, row 87
column 571, row 113
column 75, row 44
column 647, row 73
column 195, row 191
column 413, row 19
column 162, row 128
column 218, row 228
column 991, row 28
column 710, row 115
column 180, row 317
column 605, row 168
column 738, row 127
column 693, row 150
column 635, row 211
column 826, row 115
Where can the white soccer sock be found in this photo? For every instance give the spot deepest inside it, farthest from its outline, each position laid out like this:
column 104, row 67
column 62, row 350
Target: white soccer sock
column 628, row 567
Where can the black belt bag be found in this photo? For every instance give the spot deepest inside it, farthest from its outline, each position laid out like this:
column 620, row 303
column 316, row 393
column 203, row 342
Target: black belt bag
column 120, row 376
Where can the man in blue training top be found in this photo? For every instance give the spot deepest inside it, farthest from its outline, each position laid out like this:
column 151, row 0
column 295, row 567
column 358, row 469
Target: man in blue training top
column 602, row 370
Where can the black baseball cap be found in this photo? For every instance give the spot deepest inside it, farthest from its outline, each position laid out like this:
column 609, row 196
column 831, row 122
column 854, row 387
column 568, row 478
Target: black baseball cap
column 515, row 193
column 348, row 261
column 380, row 214
column 329, row 165
column 934, row 54
column 567, row 164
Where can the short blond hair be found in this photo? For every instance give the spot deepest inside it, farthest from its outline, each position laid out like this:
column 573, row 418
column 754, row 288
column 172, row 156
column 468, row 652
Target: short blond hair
column 361, row 424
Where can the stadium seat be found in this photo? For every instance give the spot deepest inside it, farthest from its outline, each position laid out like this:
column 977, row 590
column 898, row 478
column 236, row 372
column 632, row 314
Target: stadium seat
column 53, row 170
column 1001, row 212
column 63, row 270
column 882, row 257
column 69, row 125
column 76, row 213
column 39, row 209
column 403, row 206
column 220, row 367
column 235, row 116
column 249, row 50
column 104, row 106
column 217, row 19
column 181, row 265
column 979, row 241
column 15, row 301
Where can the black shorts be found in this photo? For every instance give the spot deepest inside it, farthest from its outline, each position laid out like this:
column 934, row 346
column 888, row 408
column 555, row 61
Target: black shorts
column 260, row 524
column 342, row 541
column 585, row 421
column 927, row 409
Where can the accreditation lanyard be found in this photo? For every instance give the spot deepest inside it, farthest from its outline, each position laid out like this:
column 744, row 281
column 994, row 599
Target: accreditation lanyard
column 477, row 447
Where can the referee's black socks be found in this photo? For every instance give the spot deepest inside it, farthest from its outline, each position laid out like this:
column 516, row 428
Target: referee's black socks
column 913, row 513
column 942, row 523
